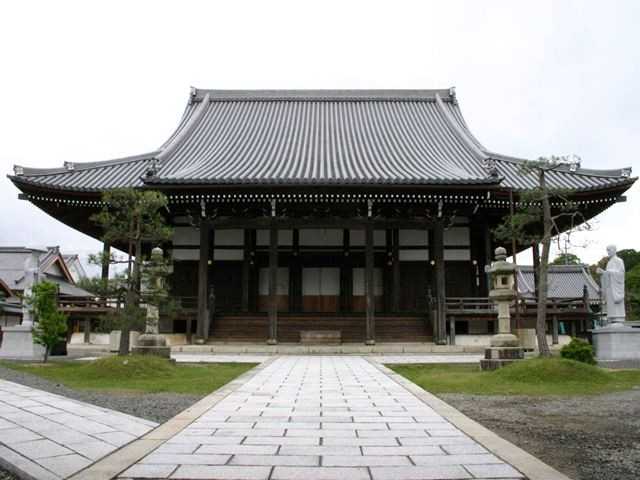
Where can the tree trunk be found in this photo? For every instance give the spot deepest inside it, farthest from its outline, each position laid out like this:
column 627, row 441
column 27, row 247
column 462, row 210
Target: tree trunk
column 46, row 355
column 541, row 318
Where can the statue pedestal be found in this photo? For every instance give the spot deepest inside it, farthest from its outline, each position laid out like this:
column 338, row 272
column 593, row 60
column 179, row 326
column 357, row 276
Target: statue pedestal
column 616, row 342
column 17, row 344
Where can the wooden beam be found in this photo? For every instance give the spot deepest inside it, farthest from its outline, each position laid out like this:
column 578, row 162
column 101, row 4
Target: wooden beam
column 441, row 295
column 273, row 284
column 203, row 281
column 370, row 329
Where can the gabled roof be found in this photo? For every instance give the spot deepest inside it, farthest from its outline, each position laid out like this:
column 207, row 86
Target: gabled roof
column 317, row 137
column 564, row 282
column 50, row 264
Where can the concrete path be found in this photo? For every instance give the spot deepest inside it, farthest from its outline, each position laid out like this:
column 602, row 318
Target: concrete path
column 320, row 418
column 46, row 436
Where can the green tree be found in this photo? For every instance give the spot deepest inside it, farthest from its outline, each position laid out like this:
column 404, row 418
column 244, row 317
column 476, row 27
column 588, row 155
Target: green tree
column 51, row 324
column 630, row 257
column 131, row 219
column 566, row 259
column 536, row 222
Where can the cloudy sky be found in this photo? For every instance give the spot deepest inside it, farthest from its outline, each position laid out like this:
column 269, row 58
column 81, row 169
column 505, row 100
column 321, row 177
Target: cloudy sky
column 85, row 81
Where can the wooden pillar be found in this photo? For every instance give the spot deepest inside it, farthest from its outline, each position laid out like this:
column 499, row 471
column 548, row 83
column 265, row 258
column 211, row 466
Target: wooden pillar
column 488, row 256
column 346, row 274
column 370, row 329
column 106, row 254
column 554, row 330
column 246, row 269
column 87, row 330
column 295, row 275
column 452, row 330
column 395, row 272
column 203, row 282
column 273, row 284
column 441, row 295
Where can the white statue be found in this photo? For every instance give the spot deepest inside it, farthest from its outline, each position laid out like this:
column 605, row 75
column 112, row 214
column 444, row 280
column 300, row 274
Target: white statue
column 31, row 270
column 612, row 285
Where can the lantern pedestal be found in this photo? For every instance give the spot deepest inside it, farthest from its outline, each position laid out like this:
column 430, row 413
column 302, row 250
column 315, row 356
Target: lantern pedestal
column 498, row 357
column 505, row 347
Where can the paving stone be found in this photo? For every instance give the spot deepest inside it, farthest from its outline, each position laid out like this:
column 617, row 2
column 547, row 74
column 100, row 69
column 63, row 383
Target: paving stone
column 465, row 448
column 481, row 459
column 185, row 459
column 239, row 449
column 226, row 472
column 65, row 465
column 419, row 473
column 276, row 460
column 37, row 449
column 320, row 473
column 436, row 441
column 116, row 438
column 364, row 461
column 92, row 449
column 178, row 448
column 149, row 471
column 410, row 450
column 319, row 450
column 493, row 471
column 281, row 441
column 369, row 442
column 10, row 436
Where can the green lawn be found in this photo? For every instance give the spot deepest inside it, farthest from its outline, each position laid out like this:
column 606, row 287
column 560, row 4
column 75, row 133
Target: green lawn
column 553, row 376
column 136, row 374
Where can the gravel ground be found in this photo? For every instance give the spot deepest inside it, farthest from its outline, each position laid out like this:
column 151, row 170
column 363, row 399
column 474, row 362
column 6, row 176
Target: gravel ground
column 586, row 438
column 158, row 407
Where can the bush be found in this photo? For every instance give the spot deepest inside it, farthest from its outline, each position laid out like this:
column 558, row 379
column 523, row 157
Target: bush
column 578, row 350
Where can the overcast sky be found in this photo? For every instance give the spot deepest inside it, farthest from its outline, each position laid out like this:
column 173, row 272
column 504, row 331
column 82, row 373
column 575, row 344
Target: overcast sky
column 85, row 81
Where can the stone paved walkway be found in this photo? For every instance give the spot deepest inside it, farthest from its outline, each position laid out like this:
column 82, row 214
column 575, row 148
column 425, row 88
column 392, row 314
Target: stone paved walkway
column 321, row 418
column 51, row 437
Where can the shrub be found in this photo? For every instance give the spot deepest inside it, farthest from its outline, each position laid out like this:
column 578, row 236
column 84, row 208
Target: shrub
column 578, row 350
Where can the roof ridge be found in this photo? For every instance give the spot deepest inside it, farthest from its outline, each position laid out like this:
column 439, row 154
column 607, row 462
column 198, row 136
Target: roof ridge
column 324, row 95
column 70, row 167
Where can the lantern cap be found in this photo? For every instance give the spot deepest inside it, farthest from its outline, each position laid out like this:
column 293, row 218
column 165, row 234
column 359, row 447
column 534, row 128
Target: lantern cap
column 500, row 265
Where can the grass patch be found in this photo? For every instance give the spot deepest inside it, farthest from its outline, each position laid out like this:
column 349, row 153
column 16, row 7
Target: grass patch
column 136, row 374
column 537, row 376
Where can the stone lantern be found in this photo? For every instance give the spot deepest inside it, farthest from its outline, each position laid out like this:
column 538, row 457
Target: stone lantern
column 151, row 342
column 505, row 347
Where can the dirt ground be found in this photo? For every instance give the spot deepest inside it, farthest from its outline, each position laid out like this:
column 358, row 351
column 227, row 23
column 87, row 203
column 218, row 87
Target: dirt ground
column 586, row 438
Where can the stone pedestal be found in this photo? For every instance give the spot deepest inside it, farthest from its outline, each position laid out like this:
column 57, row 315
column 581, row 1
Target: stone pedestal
column 114, row 340
column 17, row 344
column 152, row 344
column 497, row 357
column 616, row 342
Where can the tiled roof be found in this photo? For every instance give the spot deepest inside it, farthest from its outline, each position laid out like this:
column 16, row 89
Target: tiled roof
column 321, row 137
column 564, row 282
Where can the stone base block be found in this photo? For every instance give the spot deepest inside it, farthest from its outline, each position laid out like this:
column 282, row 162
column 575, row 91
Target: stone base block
column 152, row 344
column 164, row 352
column 616, row 343
column 504, row 353
column 498, row 357
column 17, row 344
column 494, row 364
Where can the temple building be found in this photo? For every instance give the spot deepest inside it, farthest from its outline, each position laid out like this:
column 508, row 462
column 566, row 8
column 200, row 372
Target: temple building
column 363, row 212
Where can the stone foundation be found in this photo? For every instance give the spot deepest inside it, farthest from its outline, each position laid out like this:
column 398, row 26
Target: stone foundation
column 498, row 357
